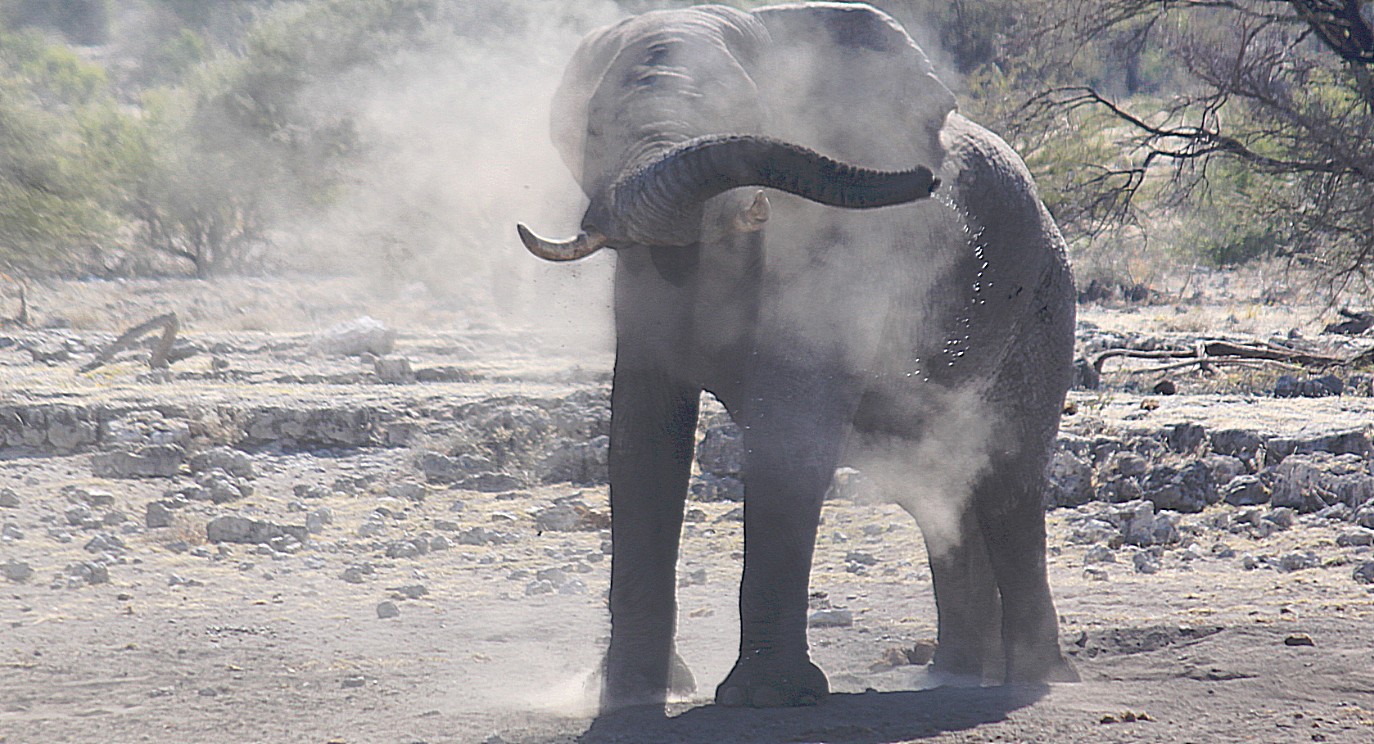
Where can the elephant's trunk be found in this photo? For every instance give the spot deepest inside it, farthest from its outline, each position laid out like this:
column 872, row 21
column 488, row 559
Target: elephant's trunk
column 660, row 202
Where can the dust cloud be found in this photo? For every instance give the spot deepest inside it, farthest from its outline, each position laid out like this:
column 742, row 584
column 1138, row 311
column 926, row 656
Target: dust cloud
column 458, row 152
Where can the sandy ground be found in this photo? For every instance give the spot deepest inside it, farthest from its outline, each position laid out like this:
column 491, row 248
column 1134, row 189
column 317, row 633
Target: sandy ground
column 195, row 641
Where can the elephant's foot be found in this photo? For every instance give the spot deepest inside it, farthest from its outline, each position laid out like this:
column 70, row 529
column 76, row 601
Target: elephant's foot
column 958, row 665
column 773, row 683
column 623, row 686
column 1039, row 666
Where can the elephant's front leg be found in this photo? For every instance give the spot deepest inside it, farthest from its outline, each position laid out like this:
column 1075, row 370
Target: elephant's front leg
column 653, row 433
column 793, row 438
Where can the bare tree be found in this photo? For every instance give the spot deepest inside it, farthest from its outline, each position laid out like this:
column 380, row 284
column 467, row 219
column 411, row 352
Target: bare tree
column 1282, row 89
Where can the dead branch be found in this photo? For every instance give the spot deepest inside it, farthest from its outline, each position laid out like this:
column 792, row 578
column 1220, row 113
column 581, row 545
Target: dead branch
column 1209, row 353
column 162, row 351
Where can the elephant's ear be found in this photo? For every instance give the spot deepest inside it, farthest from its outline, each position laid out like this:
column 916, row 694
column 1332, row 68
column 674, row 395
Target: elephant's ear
column 568, row 116
column 846, row 79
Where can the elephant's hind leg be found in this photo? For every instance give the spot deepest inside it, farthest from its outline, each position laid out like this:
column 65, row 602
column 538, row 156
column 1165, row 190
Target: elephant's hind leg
column 969, row 646
column 1008, row 497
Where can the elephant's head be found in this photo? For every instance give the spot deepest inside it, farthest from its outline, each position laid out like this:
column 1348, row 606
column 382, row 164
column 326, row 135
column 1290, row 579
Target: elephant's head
column 660, row 113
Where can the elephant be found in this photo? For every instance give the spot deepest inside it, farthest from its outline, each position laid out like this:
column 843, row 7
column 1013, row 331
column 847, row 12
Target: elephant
column 804, row 227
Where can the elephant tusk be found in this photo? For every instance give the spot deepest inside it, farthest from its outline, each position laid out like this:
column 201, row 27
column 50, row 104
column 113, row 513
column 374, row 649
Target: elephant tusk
column 585, row 244
column 752, row 218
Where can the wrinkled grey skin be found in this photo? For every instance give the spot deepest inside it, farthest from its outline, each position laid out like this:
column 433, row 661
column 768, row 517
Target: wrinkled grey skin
column 928, row 343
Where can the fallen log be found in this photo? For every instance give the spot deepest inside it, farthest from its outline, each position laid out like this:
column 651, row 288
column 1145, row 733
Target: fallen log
column 1206, row 354
column 162, row 350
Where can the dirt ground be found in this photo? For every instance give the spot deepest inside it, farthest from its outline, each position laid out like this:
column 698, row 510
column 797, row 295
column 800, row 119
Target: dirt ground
column 488, row 626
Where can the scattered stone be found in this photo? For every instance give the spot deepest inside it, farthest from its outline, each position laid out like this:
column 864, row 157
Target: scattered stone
column 860, row 558
column 721, row 450
column 316, row 520
column 354, row 574
column 1364, row 573
column 393, row 370
column 1311, row 482
column 387, row 610
column 149, row 461
column 8, row 499
column 16, row 571
column 1296, row 561
column 490, row 483
column 407, row 548
column 1353, row 442
column 831, row 618
column 1364, row 516
column 1289, row 386
column 1356, row 538
column 1299, row 639
column 482, row 536
column 1070, row 480
column 570, row 515
column 1185, row 438
column 1094, row 573
column 577, row 462
column 710, row 487
column 85, row 572
column 1188, row 489
column 92, row 497
column 371, row 528
column 356, row 680
column 1241, row 443
column 236, row 529
column 1147, row 561
column 219, row 487
column 363, row 335
column 539, row 587
column 105, row 543
column 693, row 578
column 1128, row 716
column 226, row 459
column 848, row 483
column 11, row 532
column 311, row 491
column 407, row 491
column 409, row 591
column 1245, row 490
column 1282, row 517
column 1222, row 550
column 1099, row 554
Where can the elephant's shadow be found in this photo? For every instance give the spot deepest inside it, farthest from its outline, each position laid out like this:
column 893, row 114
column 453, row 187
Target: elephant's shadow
column 868, row 718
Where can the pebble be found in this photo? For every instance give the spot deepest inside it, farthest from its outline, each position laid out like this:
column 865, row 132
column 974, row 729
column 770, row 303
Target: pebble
column 1296, row 561
column 831, row 618
column 1099, row 554
column 1093, row 573
column 410, row 591
column 1364, row 573
column 16, row 571
column 1146, row 562
column 387, row 610
column 1299, row 639
column 1356, row 538
column 8, row 499
column 356, row 680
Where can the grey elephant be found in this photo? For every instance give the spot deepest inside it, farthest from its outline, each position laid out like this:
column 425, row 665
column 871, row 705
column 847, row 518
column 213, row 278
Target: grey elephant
column 905, row 307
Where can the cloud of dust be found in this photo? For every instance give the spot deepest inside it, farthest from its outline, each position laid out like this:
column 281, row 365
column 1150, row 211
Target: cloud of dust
column 458, row 152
